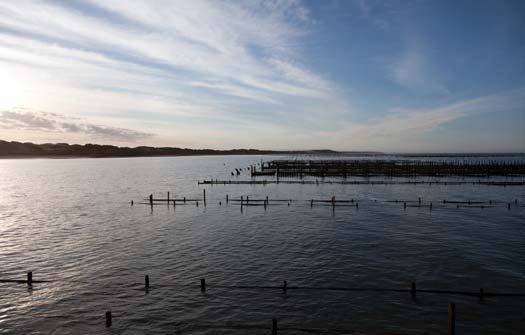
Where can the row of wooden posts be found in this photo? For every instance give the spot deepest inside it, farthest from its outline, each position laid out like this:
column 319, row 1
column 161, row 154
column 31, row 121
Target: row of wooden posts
column 245, row 201
column 503, row 183
column 481, row 294
column 344, row 168
column 413, row 291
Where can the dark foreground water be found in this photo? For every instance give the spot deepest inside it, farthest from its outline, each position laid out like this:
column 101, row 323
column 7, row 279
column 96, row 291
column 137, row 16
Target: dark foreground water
column 70, row 221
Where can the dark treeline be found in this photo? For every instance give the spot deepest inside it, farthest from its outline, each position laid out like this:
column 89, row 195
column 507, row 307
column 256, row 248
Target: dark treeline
column 18, row 149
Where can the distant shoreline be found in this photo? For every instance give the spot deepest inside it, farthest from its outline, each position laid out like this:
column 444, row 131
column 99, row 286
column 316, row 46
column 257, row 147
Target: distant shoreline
column 18, row 150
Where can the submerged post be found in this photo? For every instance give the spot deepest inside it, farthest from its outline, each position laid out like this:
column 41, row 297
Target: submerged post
column 29, row 278
column 204, row 195
column 451, row 318
column 226, row 198
column 274, row 326
column 151, row 199
column 203, row 285
column 168, row 198
column 413, row 289
column 285, row 286
column 146, row 282
column 108, row 319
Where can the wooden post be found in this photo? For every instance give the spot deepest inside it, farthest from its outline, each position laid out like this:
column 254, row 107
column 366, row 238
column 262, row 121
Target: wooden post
column 108, row 319
column 267, row 200
column 247, row 199
column 481, row 294
column 29, row 278
column 430, row 205
column 146, row 282
column 285, row 286
column 226, row 198
column 274, row 326
column 197, row 203
column 357, row 205
column 203, row 285
column 168, row 198
column 413, row 289
column 184, row 199
column 419, row 200
column 508, row 206
column 131, row 202
column 204, row 195
column 451, row 319
column 151, row 199
column 312, row 203
column 405, row 205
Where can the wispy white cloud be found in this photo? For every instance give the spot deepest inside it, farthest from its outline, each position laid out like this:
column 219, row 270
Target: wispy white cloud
column 403, row 129
column 414, row 70
column 200, row 59
column 43, row 122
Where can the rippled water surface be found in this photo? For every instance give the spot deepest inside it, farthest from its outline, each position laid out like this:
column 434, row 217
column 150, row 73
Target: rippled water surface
column 70, row 221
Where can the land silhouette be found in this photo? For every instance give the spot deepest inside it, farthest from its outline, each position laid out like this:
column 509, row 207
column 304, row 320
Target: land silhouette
column 24, row 150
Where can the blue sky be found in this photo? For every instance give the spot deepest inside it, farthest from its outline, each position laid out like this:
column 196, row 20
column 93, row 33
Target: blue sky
column 402, row 76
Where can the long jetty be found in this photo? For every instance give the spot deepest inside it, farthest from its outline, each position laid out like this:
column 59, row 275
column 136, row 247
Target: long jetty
column 392, row 168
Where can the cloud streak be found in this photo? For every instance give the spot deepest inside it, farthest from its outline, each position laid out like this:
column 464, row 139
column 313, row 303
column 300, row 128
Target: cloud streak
column 43, row 122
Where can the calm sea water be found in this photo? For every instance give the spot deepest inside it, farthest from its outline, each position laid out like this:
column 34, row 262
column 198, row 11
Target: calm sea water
column 70, row 221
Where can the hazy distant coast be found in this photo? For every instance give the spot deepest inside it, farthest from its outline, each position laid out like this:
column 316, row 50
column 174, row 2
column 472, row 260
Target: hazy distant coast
column 64, row 150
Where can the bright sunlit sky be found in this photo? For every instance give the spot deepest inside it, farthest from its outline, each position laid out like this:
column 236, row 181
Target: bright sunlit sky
column 399, row 76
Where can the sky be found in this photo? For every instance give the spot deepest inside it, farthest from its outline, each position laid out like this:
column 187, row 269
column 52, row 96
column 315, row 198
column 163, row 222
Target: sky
column 395, row 76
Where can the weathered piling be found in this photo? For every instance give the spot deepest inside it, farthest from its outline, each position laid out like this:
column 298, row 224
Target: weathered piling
column 451, row 318
column 29, row 278
column 226, row 199
column 204, row 196
column 108, row 319
column 203, row 285
column 168, row 198
column 146, row 282
column 274, row 326
column 413, row 289
column 151, row 199
column 285, row 286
